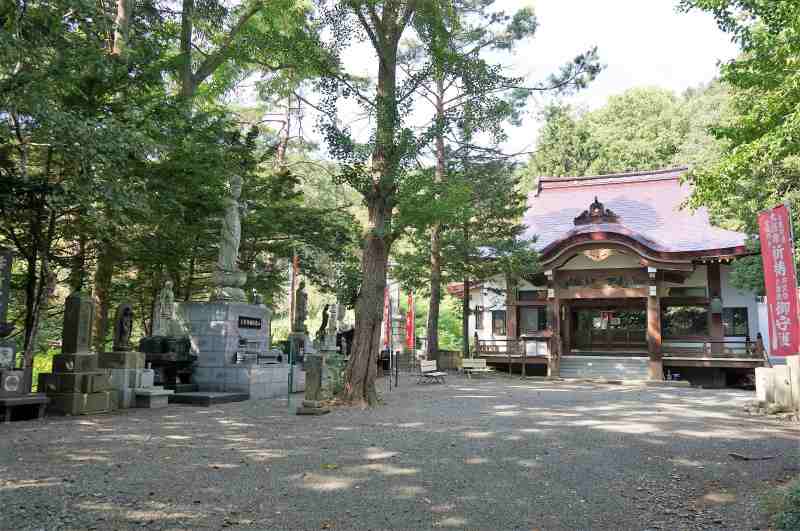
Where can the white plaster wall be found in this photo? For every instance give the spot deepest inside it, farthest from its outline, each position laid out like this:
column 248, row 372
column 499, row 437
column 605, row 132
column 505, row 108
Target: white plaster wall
column 734, row 298
column 491, row 296
column 580, row 261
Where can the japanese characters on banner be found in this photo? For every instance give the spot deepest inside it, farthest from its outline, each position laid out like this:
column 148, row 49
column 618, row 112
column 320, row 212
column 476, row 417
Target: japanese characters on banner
column 780, row 278
column 410, row 331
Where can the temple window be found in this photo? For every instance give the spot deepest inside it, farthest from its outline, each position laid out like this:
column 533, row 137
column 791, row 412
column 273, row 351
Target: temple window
column 532, row 319
column 685, row 321
column 499, row 322
column 734, row 322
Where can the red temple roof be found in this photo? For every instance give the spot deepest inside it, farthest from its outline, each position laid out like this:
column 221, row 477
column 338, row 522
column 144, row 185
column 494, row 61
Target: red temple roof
column 644, row 206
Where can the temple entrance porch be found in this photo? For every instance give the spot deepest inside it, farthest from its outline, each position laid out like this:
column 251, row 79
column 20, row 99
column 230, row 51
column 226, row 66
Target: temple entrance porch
column 605, row 327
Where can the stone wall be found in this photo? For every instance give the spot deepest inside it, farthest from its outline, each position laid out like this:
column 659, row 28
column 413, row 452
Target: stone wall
column 779, row 386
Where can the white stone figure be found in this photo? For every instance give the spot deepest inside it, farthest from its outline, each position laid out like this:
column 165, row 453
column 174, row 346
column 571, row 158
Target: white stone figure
column 164, row 312
column 231, row 229
column 229, row 279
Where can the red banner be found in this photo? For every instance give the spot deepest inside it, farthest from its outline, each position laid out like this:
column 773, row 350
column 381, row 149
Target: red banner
column 410, row 330
column 387, row 323
column 780, row 278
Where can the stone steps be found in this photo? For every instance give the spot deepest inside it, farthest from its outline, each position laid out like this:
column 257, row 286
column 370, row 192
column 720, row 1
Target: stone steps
column 613, row 368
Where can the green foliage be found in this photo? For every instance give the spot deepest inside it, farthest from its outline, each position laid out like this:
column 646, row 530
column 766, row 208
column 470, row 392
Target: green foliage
column 480, row 208
column 760, row 166
column 105, row 168
column 450, row 335
column 783, row 504
column 641, row 129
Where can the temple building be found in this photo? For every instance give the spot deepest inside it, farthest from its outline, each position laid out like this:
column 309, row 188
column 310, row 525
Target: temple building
column 632, row 284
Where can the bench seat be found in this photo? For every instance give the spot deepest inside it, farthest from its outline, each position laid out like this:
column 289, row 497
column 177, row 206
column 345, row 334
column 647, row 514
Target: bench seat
column 428, row 372
column 474, row 365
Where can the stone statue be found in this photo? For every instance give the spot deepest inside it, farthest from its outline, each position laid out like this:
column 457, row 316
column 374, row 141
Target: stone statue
column 229, row 279
column 164, row 311
column 231, row 229
column 123, row 326
column 341, row 311
column 300, row 308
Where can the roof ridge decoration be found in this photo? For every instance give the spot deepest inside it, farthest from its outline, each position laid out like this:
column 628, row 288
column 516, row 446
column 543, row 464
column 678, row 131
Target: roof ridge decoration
column 597, row 213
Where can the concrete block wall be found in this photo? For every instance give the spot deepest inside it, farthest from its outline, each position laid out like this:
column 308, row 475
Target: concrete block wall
column 215, row 333
column 780, row 384
column 270, row 381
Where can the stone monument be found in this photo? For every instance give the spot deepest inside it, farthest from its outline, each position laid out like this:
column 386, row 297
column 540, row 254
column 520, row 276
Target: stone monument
column 228, row 278
column 312, row 397
column 77, row 385
column 167, row 350
column 132, row 384
column 229, row 336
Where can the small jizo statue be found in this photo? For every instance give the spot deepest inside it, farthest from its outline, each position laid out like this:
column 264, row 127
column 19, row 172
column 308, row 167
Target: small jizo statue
column 123, row 326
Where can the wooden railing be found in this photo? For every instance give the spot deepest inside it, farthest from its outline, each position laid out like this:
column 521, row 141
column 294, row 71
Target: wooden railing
column 713, row 348
column 610, row 338
column 530, row 347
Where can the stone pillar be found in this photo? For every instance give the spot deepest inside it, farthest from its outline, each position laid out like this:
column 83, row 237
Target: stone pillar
column 77, row 385
column 312, row 404
column 554, row 319
column 656, row 371
column 715, row 292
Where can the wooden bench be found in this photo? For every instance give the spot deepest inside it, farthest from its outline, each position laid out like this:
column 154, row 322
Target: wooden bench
column 474, row 365
column 429, row 373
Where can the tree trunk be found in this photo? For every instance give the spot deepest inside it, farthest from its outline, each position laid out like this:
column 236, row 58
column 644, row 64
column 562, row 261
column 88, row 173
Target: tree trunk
column 465, row 320
column 121, row 27
column 436, row 244
column 283, row 143
column 45, row 286
column 102, row 292
column 31, row 283
column 186, row 76
column 362, row 367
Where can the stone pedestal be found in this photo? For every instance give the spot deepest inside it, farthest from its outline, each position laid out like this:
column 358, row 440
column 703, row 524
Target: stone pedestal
column 313, row 390
column 77, row 385
column 228, row 339
column 127, row 376
column 153, row 397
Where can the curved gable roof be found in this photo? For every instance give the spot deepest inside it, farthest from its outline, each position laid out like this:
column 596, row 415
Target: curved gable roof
column 647, row 205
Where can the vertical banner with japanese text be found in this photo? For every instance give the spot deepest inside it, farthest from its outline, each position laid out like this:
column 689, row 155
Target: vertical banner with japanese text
column 780, row 280
column 410, row 330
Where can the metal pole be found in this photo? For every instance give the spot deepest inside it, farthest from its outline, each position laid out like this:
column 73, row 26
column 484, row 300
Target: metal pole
column 291, row 372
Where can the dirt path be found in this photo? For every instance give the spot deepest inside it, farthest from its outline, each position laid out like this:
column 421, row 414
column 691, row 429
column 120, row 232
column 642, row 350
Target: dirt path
column 480, row 454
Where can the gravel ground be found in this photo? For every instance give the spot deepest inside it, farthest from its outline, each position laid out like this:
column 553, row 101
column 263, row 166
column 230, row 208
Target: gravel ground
column 489, row 453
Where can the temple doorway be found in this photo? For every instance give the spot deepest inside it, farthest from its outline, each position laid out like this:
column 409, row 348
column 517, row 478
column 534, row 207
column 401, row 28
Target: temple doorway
column 608, row 327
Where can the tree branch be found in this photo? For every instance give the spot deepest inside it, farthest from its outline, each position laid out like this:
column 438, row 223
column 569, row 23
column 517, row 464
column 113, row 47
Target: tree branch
column 214, row 60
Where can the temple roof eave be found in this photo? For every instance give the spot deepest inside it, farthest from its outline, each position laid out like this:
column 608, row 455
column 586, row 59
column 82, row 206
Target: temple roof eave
column 650, row 253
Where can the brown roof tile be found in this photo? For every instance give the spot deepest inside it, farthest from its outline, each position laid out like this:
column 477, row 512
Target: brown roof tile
column 649, row 206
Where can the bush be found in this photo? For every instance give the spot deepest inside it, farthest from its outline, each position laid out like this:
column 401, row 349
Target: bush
column 785, row 507
column 42, row 363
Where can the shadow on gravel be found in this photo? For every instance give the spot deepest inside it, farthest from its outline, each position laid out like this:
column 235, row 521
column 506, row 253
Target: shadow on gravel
column 491, row 453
